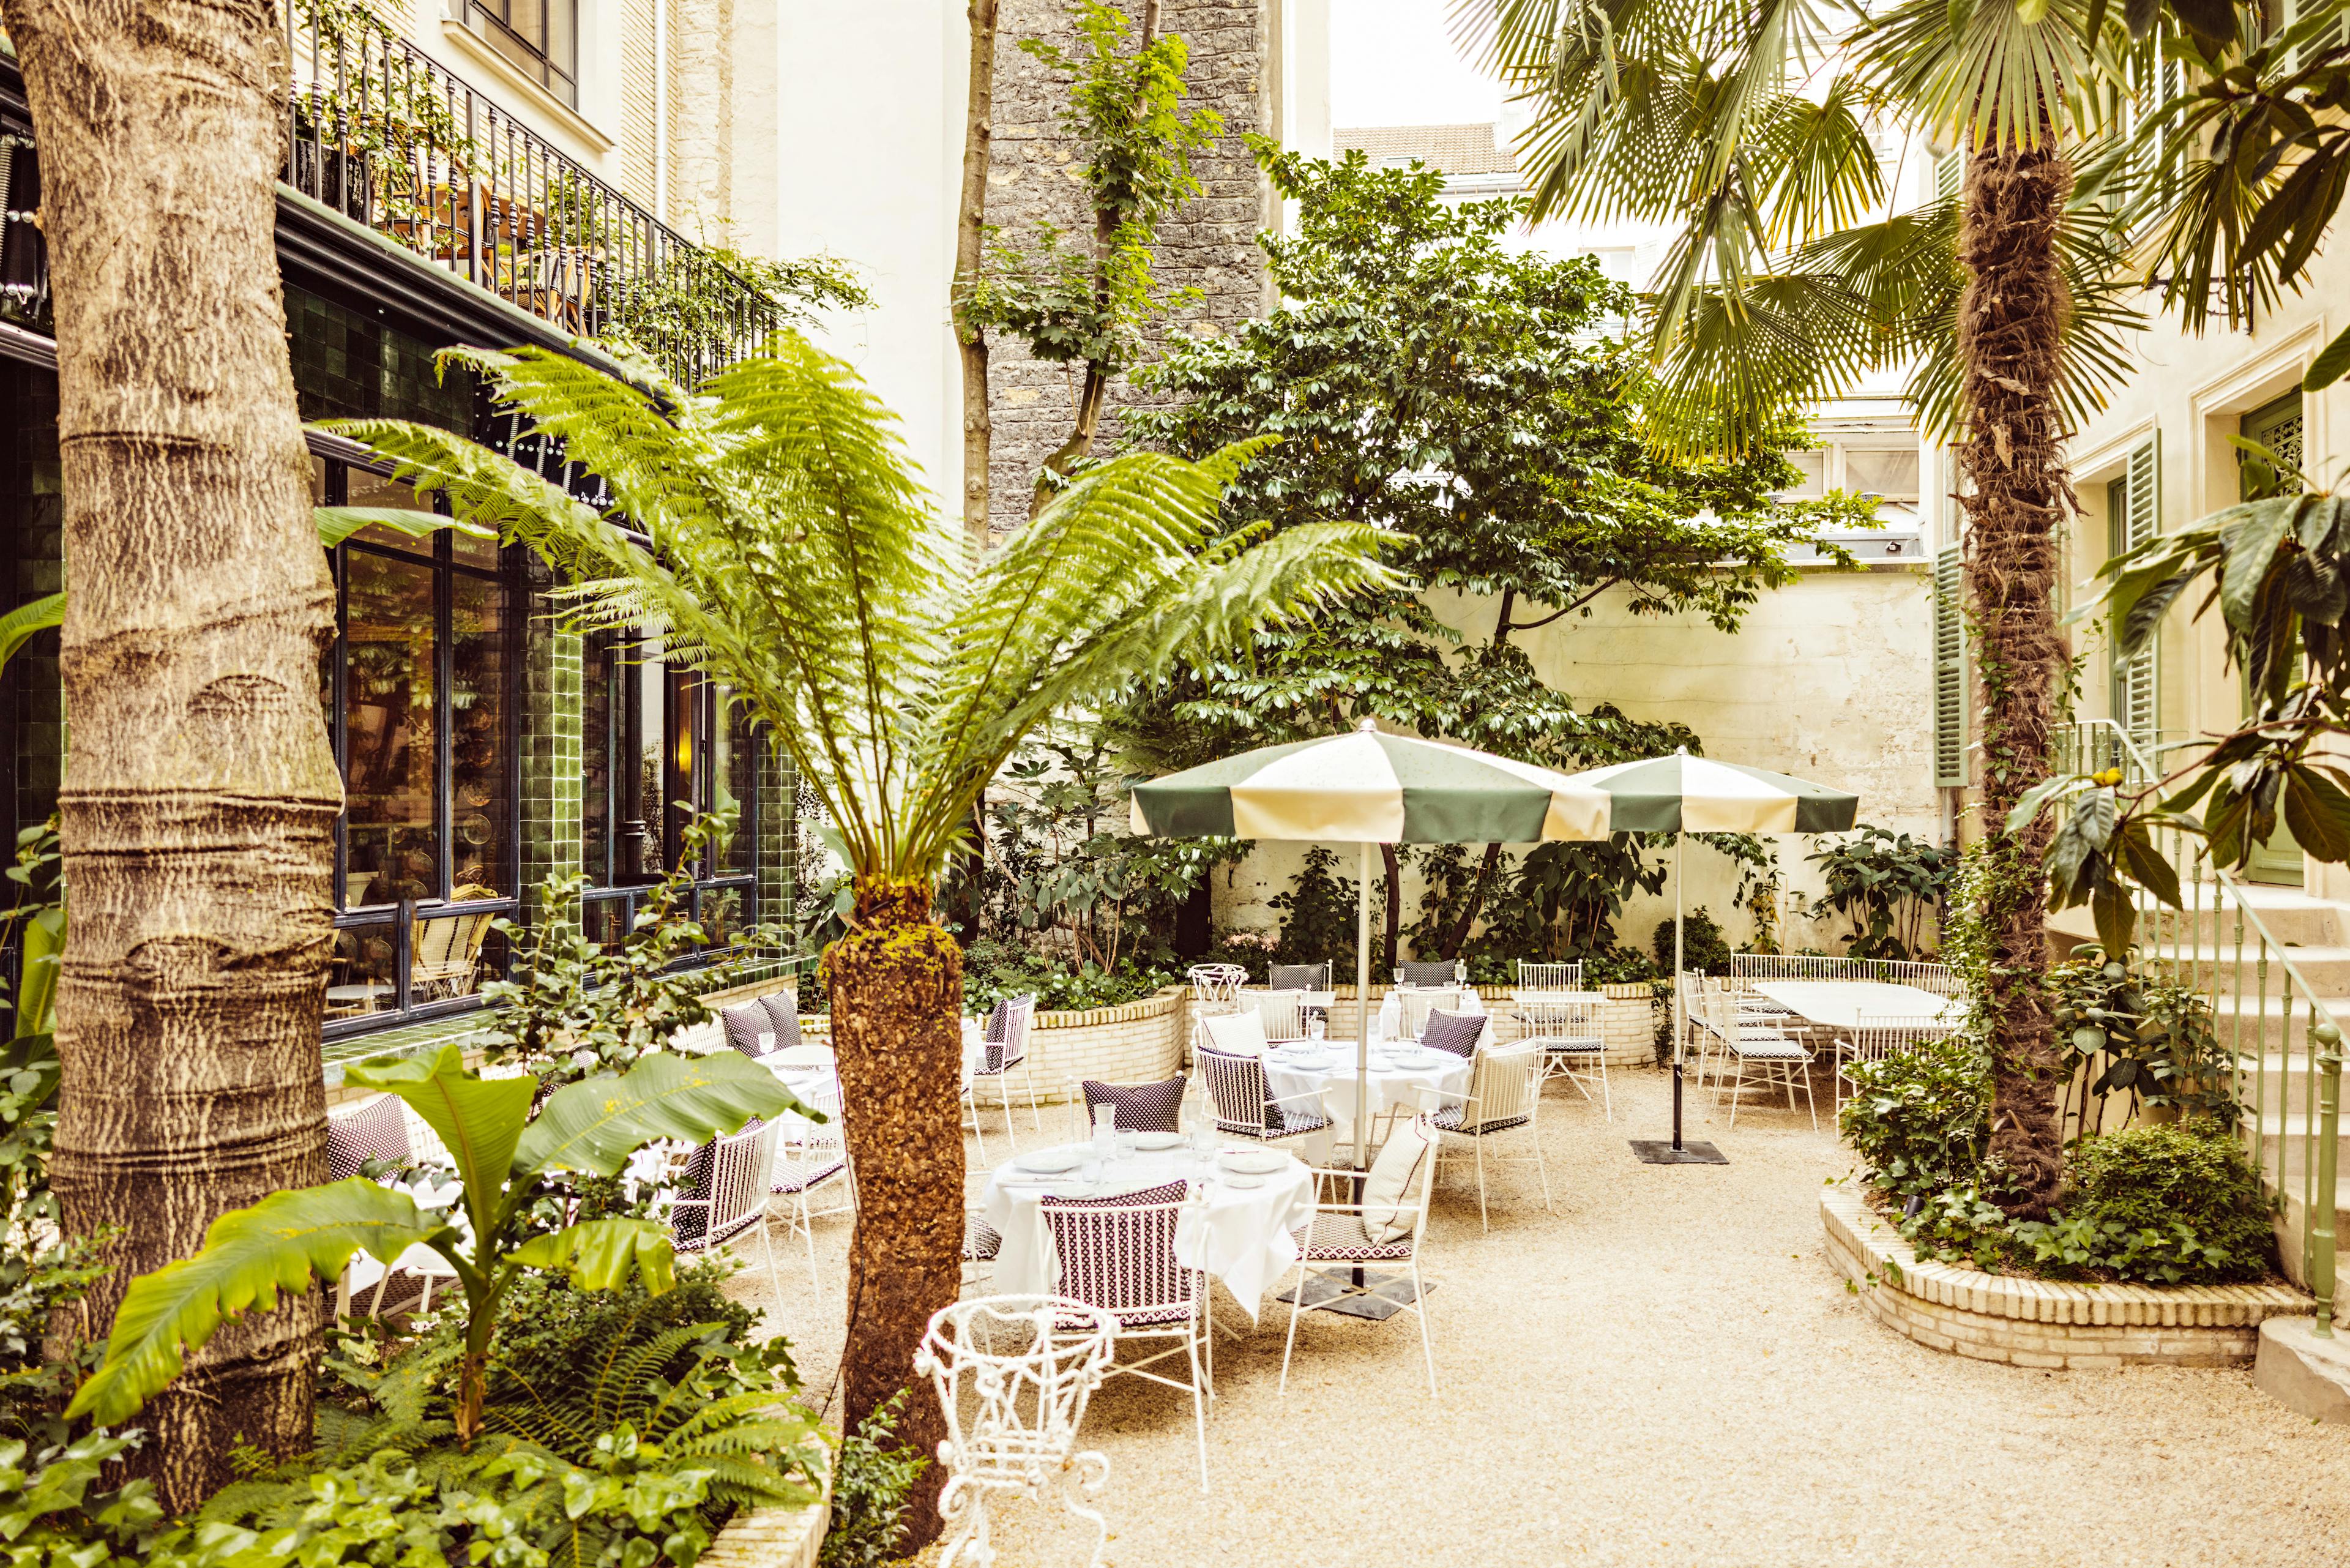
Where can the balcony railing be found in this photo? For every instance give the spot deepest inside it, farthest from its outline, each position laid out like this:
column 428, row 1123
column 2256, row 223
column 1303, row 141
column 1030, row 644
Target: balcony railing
column 388, row 137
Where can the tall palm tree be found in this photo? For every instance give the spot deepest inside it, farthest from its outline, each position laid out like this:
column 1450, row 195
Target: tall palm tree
column 795, row 557
column 1745, row 124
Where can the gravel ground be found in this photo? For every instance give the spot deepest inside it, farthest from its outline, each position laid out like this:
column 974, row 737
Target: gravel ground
column 1665, row 1370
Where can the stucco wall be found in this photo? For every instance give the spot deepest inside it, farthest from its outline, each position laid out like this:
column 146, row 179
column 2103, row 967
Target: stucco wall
column 1829, row 678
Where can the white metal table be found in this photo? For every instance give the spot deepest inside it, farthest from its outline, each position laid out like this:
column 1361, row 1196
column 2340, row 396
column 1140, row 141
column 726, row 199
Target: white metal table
column 1843, row 1003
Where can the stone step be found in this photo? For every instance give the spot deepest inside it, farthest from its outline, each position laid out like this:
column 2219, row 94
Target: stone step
column 2292, row 917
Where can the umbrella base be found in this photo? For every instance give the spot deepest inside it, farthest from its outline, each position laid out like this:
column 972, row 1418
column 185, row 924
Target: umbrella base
column 1374, row 1296
column 1659, row 1151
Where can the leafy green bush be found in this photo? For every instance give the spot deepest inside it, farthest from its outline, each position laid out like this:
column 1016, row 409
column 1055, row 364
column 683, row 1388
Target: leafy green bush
column 1318, row 913
column 1921, row 1119
column 875, row 1475
column 1619, row 965
column 1703, row 947
column 2141, row 1036
column 1886, row 885
column 993, row 971
column 2172, row 1203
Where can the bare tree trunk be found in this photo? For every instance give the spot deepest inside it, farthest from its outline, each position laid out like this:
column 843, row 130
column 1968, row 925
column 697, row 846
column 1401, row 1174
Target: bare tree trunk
column 200, row 794
column 970, row 240
column 896, row 994
column 1394, row 906
column 2009, row 322
column 1472, row 902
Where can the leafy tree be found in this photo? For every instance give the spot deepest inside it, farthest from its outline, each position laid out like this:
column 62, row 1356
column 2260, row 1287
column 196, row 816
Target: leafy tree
column 795, row 559
column 1885, row 883
column 1428, row 379
column 1089, row 305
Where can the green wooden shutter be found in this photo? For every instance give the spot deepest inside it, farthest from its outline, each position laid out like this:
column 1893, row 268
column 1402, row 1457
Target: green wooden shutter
column 2138, row 712
column 1950, row 679
column 1949, row 175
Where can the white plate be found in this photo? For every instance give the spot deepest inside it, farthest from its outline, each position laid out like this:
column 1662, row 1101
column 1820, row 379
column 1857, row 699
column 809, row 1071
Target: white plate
column 1254, row 1161
column 1158, row 1140
column 1244, row 1183
column 1050, row 1162
column 1309, row 1060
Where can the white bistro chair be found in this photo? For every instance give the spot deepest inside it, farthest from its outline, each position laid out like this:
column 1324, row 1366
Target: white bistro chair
column 1549, row 976
column 727, row 1195
column 1232, row 1071
column 1013, row 1374
column 384, row 1128
column 1504, row 1096
column 1875, row 1039
column 1116, row 1256
column 1565, row 1025
column 1758, row 1053
column 810, row 1155
column 1385, row 1227
column 1003, row 1052
column 1283, row 1013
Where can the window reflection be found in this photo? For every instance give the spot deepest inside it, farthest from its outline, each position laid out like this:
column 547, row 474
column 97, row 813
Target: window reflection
column 480, row 779
column 387, row 713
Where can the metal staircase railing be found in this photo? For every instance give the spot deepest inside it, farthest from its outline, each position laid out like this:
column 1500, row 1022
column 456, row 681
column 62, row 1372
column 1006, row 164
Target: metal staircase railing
column 2285, row 1057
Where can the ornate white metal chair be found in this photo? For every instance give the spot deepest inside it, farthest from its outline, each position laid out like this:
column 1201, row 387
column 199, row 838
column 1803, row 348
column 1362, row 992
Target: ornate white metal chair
column 1504, row 1096
column 1565, row 1026
column 1215, row 989
column 810, row 1155
column 1435, row 971
column 1549, row 976
column 1013, row 1374
column 1416, row 1003
column 1874, row 1039
column 1938, row 978
column 1340, row 1237
column 1117, row 1255
column 728, row 1195
column 384, row 1128
column 1004, row 1052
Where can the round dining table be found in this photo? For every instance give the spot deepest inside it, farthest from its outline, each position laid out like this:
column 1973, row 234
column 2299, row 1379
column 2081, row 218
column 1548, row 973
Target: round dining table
column 1404, row 1077
column 1243, row 1236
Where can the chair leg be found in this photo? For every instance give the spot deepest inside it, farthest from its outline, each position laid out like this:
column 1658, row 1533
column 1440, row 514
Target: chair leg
column 1420, row 1310
column 1479, row 1145
column 1810, row 1103
column 1035, row 1117
column 970, row 1098
column 1010, row 1130
column 1199, row 1405
column 1541, row 1168
column 1737, row 1084
column 1607, row 1098
column 1289, row 1345
column 807, row 1231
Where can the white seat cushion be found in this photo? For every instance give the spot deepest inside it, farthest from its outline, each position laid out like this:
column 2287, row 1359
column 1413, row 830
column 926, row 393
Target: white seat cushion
column 1389, row 1206
column 1237, row 1034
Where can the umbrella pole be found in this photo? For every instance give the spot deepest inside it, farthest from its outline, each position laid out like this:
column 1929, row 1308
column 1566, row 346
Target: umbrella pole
column 1363, row 1021
column 1678, row 1019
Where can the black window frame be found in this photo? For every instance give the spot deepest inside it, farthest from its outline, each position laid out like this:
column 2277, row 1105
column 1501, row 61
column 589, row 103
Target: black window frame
column 535, row 57
column 402, row 914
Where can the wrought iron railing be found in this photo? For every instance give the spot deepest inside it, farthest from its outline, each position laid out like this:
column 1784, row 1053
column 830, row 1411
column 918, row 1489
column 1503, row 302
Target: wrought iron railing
column 390, row 138
column 2281, row 1034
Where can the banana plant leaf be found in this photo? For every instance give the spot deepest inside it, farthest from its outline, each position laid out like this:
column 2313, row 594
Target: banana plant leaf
column 478, row 1120
column 600, row 1253
column 594, row 1126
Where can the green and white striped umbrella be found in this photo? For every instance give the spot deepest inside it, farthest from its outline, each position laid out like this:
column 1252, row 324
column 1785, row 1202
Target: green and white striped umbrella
column 1366, row 787
column 1681, row 794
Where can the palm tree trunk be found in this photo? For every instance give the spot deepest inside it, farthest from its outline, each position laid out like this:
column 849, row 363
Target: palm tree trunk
column 896, row 996
column 200, row 794
column 2009, row 322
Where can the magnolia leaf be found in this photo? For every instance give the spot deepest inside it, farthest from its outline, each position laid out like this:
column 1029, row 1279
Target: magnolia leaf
column 2330, row 362
column 2037, row 797
column 594, row 1125
column 478, row 1119
column 2318, row 812
column 2251, row 554
column 2148, row 864
column 600, row 1253
column 249, row 1256
column 2115, row 915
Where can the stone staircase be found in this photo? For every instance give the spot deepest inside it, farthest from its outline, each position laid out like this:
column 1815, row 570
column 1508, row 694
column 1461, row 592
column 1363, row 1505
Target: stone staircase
column 2314, row 934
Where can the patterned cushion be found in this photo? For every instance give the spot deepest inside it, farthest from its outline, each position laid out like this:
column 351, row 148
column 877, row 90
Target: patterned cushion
column 376, row 1130
column 1449, row 1118
column 1298, row 977
column 746, row 1022
column 1768, row 1050
column 792, row 1179
column 981, row 1240
column 1341, row 1238
column 1142, row 1108
column 1443, row 971
column 1140, row 1282
column 1286, row 1120
column 1455, row 1031
column 784, row 1013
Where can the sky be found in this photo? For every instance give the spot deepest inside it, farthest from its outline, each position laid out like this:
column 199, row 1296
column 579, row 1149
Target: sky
column 1392, row 63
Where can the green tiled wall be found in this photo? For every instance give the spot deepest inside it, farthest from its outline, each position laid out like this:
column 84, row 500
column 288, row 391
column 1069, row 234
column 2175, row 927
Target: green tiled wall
column 350, row 365
column 550, row 748
column 778, row 790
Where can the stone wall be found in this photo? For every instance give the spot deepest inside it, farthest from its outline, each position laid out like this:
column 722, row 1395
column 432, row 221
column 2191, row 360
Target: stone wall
column 1210, row 244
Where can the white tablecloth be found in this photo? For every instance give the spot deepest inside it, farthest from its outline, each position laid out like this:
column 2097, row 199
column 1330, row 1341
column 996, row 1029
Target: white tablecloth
column 1243, row 1239
column 1843, row 1003
column 1441, row 1081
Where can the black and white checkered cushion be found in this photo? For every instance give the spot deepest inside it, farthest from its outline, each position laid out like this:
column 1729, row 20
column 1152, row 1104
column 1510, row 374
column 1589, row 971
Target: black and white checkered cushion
column 746, row 1022
column 1449, row 1118
column 1297, row 977
column 1584, row 1047
column 784, row 1013
column 1443, row 971
column 1142, row 1108
column 1767, row 1050
column 999, row 1024
column 1135, row 1282
column 1341, row 1239
column 981, row 1240
column 1455, row 1031
column 376, row 1130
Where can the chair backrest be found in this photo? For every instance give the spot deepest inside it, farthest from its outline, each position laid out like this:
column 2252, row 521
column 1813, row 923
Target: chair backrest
column 805, row 1137
column 1142, row 1108
column 1799, row 966
column 1283, row 1013
column 1215, row 984
column 1560, row 1015
column 1504, row 1087
column 1236, row 1089
column 1418, row 1004
column 1938, row 978
column 731, row 1188
column 1297, row 977
column 374, row 1128
column 1438, row 971
column 1550, row 976
column 1013, row 1374
column 1236, row 1034
column 1007, row 1031
column 749, row 1027
column 1118, row 1253
column 1873, row 1038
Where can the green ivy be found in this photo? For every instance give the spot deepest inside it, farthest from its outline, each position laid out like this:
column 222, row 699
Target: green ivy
column 876, row 1475
column 2136, row 1034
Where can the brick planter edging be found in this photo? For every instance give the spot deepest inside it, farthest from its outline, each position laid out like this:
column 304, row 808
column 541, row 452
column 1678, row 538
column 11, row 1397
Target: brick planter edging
column 773, row 1537
column 1134, row 1042
column 2043, row 1323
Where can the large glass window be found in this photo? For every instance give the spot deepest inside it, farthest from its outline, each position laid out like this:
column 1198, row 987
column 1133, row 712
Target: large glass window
column 660, row 746
column 541, row 37
column 419, row 690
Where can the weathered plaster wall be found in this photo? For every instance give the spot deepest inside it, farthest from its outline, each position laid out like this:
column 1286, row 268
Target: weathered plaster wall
column 1829, row 678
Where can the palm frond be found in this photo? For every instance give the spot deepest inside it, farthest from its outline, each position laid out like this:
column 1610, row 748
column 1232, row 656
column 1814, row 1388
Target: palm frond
column 2006, row 73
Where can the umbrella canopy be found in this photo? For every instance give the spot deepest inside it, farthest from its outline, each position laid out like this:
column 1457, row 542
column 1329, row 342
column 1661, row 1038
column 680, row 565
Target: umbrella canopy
column 1681, row 794
column 1365, row 787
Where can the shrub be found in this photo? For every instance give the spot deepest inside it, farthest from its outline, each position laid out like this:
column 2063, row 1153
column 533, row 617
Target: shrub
column 1703, row 947
column 1618, row 966
column 2175, row 1203
column 1886, row 885
column 2143, row 1037
column 872, row 1479
column 1921, row 1119
column 993, row 969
